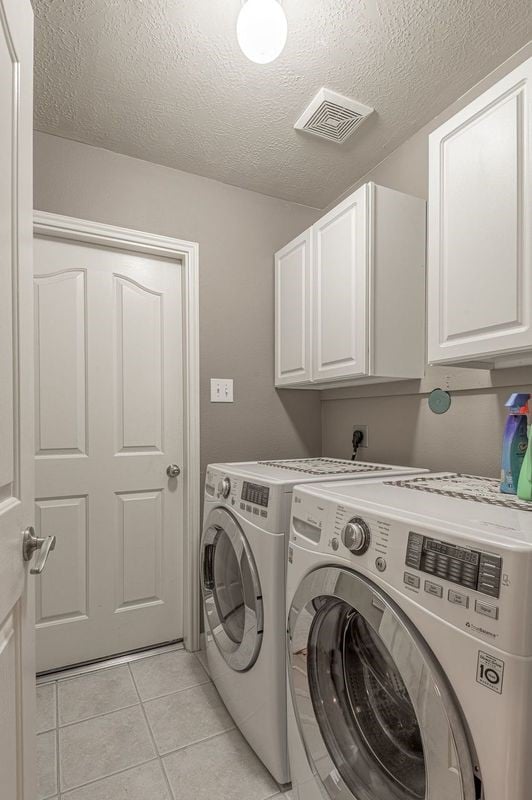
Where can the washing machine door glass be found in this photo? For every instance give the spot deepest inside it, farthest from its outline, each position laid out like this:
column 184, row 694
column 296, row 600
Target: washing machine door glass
column 231, row 590
column 377, row 717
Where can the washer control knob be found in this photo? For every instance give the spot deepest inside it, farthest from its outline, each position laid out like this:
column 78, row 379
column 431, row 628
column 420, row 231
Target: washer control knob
column 356, row 536
column 224, row 487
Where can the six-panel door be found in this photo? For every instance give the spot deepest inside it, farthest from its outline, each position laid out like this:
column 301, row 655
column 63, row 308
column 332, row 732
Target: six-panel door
column 292, row 312
column 480, row 206
column 109, row 421
column 340, row 276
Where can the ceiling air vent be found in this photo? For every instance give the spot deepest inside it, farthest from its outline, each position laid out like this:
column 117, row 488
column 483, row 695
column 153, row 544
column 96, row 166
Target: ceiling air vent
column 332, row 116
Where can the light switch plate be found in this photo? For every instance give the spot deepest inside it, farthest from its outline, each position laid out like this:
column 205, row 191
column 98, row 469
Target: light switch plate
column 221, row 390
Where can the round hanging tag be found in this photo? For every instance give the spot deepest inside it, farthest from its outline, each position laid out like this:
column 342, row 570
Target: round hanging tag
column 439, row 401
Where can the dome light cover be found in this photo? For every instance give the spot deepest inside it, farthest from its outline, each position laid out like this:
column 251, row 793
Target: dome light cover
column 261, row 30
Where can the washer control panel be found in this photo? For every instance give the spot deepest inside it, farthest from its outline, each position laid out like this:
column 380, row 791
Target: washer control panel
column 471, row 569
column 473, row 574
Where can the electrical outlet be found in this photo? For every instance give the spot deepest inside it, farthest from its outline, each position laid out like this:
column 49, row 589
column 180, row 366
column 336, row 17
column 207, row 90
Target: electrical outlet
column 221, row 390
column 364, row 429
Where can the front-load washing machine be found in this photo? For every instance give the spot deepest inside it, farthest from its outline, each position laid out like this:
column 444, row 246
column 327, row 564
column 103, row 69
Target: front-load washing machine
column 243, row 568
column 410, row 641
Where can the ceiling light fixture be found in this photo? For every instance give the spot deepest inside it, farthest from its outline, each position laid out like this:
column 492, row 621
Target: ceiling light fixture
column 261, row 30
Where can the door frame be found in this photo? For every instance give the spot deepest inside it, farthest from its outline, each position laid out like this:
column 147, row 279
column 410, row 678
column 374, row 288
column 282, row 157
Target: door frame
column 187, row 254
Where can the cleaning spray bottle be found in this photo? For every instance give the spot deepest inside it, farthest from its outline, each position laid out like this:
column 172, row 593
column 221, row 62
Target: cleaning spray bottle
column 515, row 442
column 524, row 486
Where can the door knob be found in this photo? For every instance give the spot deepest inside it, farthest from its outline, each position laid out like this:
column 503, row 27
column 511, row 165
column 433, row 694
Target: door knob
column 31, row 543
column 172, row 470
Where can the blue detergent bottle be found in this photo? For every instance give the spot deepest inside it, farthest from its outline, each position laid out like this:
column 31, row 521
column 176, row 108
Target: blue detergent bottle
column 515, row 441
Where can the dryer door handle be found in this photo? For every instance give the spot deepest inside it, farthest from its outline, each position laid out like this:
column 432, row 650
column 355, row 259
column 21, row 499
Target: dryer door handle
column 208, row 567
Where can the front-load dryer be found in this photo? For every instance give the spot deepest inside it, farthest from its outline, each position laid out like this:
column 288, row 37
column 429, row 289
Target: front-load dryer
column 243, row 568
column 410, row 641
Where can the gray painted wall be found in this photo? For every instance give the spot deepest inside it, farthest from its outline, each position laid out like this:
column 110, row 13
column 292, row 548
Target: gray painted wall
column 238, row 231
column 402, row 429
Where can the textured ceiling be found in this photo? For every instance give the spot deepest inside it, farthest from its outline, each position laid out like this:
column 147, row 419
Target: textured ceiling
column 164, row 80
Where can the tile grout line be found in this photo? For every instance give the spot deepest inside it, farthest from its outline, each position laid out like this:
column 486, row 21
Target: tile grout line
column 60, row 793
column 190, row 745
column 110, row 775
column 123, row 708
column 104, row 714
column 179, row 691
column 169, row 787
column 208, row 739
column 97, row 716
column 58, row 727
column 183, row 747
column 167, row 694
column 279, row 793
column 167, row 779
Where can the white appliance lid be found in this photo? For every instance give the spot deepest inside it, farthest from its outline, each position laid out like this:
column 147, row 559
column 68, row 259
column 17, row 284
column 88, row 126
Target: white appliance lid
column 303, row 470
column 441, row 500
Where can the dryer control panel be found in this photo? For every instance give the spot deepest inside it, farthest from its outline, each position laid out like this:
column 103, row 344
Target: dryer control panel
column 255, row 493
column 265, row 506
column 471, row 569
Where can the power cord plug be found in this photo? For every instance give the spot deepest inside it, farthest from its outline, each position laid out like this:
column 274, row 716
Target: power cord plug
column 358, row 438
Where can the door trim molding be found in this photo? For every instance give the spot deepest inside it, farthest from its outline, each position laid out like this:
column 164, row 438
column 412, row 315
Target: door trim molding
column 81, row 230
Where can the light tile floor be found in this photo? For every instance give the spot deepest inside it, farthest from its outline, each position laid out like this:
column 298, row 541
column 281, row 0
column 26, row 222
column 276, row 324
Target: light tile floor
column 153, row 729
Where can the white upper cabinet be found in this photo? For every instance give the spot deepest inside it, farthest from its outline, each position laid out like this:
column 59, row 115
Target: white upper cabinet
column 350, row 294
column 292, row 319
column 479, row 255
column 339, row 280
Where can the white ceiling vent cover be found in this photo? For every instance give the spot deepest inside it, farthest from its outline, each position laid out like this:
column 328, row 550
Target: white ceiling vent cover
column 332, row 116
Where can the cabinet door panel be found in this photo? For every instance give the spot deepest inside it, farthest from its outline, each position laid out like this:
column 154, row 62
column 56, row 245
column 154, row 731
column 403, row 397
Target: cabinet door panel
column 479, row 226
column 292, row 312
column 340, row 284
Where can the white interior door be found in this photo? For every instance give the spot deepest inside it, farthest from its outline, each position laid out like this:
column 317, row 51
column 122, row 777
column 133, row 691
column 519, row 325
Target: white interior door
column 17, row 673
column 109, row 421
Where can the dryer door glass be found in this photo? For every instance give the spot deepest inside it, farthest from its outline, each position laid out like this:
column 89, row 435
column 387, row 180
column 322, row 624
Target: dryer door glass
column 374, row 709
column 231, row 590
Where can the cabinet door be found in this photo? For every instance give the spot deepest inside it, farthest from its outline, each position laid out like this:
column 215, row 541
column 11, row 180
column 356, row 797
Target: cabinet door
column 479, row 226
column 340, row 314
column 292, row 312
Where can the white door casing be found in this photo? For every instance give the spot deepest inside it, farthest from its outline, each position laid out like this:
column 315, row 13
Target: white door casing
column 17, row 668
column 293, row 311
column 479, row 228
column 116, row 397
column 340, row 278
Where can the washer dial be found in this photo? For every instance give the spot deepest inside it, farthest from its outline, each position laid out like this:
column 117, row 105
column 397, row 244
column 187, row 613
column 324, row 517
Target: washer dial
column 356, row 536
